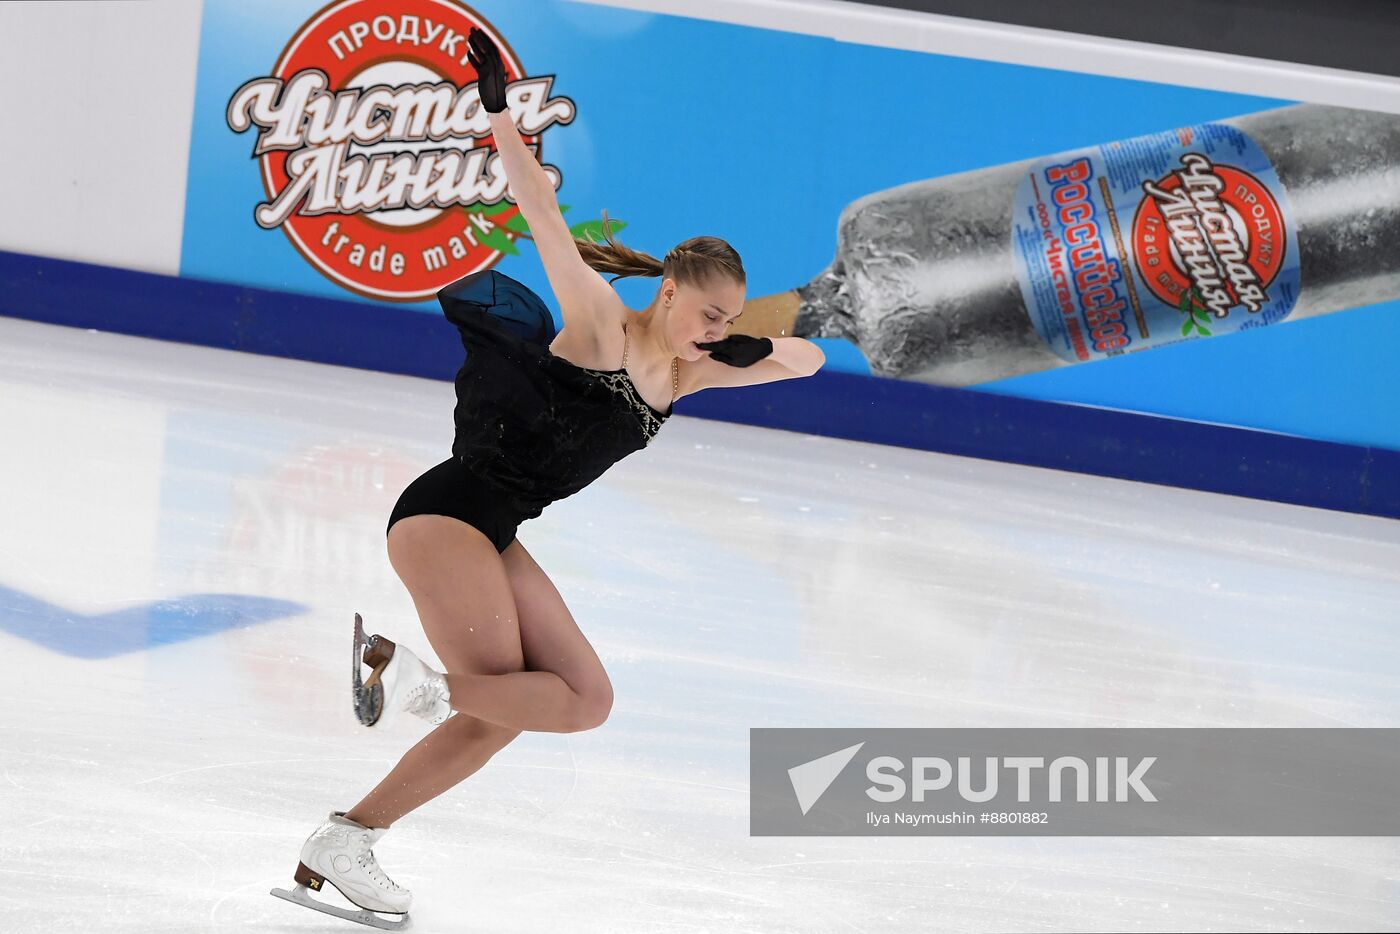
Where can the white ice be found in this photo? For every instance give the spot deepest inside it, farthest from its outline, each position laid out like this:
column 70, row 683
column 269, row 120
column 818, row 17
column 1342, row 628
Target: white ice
column 730, row 577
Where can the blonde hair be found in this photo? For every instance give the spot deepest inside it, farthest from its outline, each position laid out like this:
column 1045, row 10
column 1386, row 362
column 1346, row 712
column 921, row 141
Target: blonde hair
column 691, row 262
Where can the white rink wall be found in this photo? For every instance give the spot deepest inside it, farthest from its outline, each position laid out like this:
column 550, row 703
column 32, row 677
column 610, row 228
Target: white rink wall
column 101, row 95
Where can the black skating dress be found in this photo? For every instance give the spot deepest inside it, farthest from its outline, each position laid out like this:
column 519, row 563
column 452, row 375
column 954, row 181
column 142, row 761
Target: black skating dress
column 531, row 428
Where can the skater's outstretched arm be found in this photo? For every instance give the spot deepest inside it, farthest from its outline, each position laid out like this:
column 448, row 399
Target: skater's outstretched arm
column 582, row 293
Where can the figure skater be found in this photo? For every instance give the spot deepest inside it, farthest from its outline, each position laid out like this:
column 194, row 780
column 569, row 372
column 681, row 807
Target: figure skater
column 538, row 418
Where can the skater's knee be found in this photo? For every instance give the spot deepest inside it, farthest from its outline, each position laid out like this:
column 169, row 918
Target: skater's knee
column 592, row 708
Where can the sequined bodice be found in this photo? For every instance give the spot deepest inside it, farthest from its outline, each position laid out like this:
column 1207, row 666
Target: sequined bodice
column 532, row 423
column 620, row 382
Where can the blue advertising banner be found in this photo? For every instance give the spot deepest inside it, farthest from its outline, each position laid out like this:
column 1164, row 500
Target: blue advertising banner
column 896, row 207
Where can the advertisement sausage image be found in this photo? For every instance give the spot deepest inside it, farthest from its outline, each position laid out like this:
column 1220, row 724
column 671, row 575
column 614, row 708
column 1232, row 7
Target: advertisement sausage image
column 1180, row 235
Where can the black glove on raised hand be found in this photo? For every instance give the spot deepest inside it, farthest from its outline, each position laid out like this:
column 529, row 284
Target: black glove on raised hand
column 739, row 349
column 490, row 73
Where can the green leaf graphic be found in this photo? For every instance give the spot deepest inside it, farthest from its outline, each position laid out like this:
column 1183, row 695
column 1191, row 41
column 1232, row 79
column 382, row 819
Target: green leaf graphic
column 517, row 223
column 1188, row 307
column 498, row 239
column 592, row 231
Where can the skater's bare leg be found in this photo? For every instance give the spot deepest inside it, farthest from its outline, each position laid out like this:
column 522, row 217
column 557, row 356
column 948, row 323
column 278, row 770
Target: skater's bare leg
column 489, row 617
column 443, row 758
column 513, row 653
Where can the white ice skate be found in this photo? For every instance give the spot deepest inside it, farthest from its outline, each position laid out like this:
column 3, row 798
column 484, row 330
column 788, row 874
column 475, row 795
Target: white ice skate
column 398, row 683
column 339, row 853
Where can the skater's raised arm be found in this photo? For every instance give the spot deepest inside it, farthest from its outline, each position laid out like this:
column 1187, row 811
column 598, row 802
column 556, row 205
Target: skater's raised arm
column 530, row 185
column 580, row 291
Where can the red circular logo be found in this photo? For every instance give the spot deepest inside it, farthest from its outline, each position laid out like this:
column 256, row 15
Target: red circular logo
column 1252, row 212
column 375, row 154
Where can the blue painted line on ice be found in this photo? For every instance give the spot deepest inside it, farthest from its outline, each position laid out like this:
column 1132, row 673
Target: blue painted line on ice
column 134, row 628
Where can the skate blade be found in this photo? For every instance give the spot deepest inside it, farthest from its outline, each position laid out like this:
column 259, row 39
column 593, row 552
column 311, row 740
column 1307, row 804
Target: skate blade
column 368, row 698
column 301, row 895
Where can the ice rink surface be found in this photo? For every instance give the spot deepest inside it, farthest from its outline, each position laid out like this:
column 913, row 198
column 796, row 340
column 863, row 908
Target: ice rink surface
column 187, row 532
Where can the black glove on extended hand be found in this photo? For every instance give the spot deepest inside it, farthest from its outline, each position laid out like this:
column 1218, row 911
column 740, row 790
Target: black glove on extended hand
column 490, row 73
column 739, row 349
